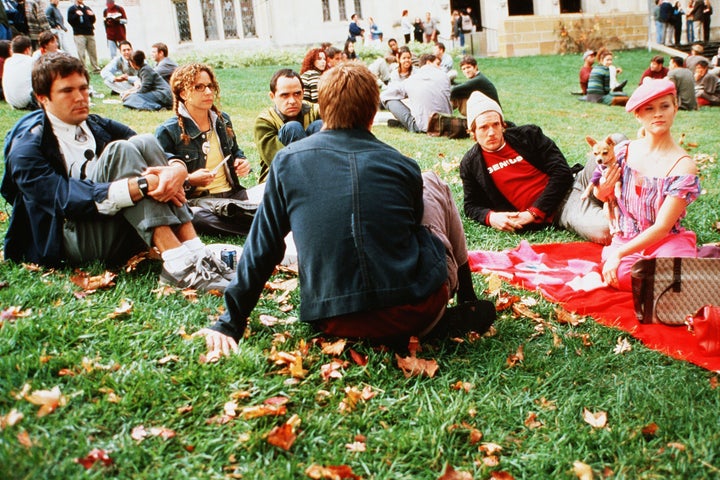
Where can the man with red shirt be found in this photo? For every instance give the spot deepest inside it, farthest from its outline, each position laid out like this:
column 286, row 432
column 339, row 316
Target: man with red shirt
column 516, row 178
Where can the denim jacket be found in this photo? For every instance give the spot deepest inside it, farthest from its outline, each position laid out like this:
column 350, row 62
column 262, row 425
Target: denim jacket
column 168, row 134
column 355, row 206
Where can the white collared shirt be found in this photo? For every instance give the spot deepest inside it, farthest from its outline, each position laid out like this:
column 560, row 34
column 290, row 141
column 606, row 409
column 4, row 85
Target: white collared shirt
column 80, row 162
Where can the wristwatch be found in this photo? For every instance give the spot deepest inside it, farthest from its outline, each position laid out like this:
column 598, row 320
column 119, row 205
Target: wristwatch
column 142, row 184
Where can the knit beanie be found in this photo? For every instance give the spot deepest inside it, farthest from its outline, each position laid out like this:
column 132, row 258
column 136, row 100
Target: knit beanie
column 479, row 103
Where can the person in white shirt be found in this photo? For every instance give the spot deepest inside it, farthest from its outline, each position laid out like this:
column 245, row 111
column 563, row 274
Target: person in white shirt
column 16, row 80
column 446, row 61
column 119, row 75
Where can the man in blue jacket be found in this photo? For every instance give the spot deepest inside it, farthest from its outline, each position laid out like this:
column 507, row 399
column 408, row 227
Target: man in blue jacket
column 86, row 188
column 381, row 247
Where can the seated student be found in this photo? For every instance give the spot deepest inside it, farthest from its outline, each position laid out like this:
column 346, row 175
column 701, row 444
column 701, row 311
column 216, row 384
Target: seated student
column 313, row 65
column 405, row 66
column 382, row 245
column 333, row 56
column 86, row 188
column 599, row 87
column 446, row 60
column 414, row 100
column 289, row 119
column 150, row 92
column 202, row 136
column 516, row 178
column 4, row 55
column 656, row 70
column 684, row 81
column 383, row 67
column 659, row 180
column 48, row 42
column 696, row 55
column 588, row 63
column 707, row 86
column 348, row 52
column 477, row 82
column 119, row 75
column 164, row 65
column 17, row 75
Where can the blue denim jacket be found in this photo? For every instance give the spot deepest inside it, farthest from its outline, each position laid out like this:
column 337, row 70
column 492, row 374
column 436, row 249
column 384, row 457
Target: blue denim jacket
column 354, row 205
column 168, row 134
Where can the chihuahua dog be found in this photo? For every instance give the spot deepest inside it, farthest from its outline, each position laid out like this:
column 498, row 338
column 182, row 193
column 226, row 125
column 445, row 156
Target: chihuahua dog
column 603, row 153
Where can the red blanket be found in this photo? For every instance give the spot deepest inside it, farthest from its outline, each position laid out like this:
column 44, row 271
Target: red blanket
column 560, row 271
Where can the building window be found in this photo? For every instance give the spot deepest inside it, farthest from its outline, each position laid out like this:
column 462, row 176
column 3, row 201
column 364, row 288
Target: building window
column 342, row 10
column 570, row 6
column 182, row 20
column 520, row 7
column 209, row 20
column 326, row 10
column 229, row 19
column 248, row 18
column 358, row 8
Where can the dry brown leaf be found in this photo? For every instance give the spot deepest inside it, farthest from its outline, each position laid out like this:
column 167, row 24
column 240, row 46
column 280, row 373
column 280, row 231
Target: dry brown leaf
column 505, row 300
column 183, row 334
column 136, row 260
column 460, row 385
column 256, row 411
column 490, row 448
column 125, row 308
column 356, row 447
column 13, row 313
column 413, row 366
column 10, row 419
column 546, row 404
column 284, row 436
column 494, row 284
column 164, row 291
column 622, row 346
column 190, row 294
column 491, row 461
column 500, row 475
column 330, row 472
column 277, row 400
column 676, row 446
column 532, row 421
column 567, row 318
column 334, row 349
column 24, row 439
column 649, row 430
column 713, row 382
column 414, row 346
column 582, row 471
column 596, row 420
column 451, row 474
column 48, row 400
column 333, row 369
column 91, row 283
column 268, row 320
column 358, row 358
column 515, row 358
column 352, row 397
column 521, row 310
column 367, row 393
column 168, row 359
column 184, row 409
column 32, row 267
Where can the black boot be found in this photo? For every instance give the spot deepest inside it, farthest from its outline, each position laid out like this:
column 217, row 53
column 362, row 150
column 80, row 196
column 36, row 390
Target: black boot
column 475, row 316
column 466, row 291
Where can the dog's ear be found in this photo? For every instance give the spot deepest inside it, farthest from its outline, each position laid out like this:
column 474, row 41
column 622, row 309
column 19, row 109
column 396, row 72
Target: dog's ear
column 610, row 141
column 591, row 141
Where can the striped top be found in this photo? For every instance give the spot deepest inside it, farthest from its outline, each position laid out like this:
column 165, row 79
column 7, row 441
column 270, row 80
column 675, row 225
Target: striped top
column 642, row 196
column 310, row 85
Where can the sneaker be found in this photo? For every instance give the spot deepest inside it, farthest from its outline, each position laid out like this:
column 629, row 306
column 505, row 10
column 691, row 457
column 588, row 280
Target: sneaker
column 393, row 123
column 620, row 86
column 214, row 264
column 196, row 275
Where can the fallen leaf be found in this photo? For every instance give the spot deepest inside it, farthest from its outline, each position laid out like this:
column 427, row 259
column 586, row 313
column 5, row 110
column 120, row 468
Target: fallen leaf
column 355, row 447
column 500, row 475
column 358, row 358
column 367, row 393
column 167, row 359
column 494, row 284
column 133, row 262
column 91, row 283
column 649, row 430
column 183, row 334
column 10, row 419
column 162, row 432
column 48, row 400
column 567, row 318
column 413, row 366
column 256, row 411
column 532, row 421
column 490, row 448
column 676, row 446
column 268, row 320
column 521, row 310
column 515, row 358
column 414, row 346
column 596, row 420
column 138, row 433
column 164, row 291
column 330, row 472
column 713, row 382
column 505, row 300
column 460, row 385
column 24, row 439
column 352, row 397
column 190, row 294
column 582, row 471
column 184, row 409
column 622, row 346
column 284, row 436
column 451, row 474
column 546, row 404
column 333, row 369
column 334, row 349
column 277, row 400
column 124, row 309
column 95, row 455
column 13, row 313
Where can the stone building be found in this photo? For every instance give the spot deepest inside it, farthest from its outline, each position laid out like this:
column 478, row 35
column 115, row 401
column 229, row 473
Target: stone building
column 509, row 27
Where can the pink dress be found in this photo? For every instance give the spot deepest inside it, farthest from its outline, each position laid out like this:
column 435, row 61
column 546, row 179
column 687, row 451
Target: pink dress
column 639, row 202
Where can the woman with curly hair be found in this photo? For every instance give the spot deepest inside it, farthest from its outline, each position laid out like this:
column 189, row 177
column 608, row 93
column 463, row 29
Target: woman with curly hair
column 202, row 136
column 313, row 66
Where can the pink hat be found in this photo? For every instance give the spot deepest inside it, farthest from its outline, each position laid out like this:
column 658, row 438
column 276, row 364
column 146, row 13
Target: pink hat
column 648, row 91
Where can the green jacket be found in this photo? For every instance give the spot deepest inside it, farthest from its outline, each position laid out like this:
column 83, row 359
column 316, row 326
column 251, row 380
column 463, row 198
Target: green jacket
column 267, row 125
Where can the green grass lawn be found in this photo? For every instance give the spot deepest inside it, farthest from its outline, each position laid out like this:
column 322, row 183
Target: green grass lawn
column 136, row 369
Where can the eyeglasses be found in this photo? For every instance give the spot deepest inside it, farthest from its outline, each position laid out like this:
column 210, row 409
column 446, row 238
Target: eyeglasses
column 201, row 87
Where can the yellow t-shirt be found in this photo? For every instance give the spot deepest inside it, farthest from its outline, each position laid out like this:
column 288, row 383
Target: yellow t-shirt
column 214, row 156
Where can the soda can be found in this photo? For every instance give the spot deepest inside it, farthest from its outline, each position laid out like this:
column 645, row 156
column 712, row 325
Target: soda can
column 229, row 257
